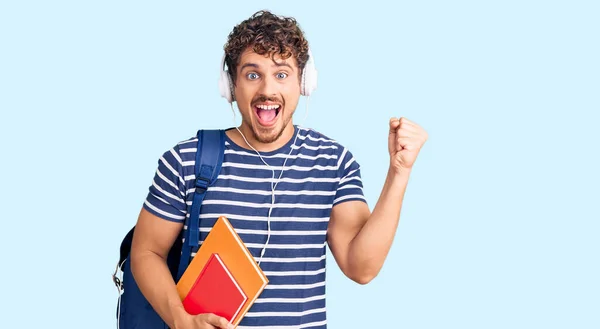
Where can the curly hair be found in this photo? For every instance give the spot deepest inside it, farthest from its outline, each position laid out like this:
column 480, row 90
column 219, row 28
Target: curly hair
column 269, row 34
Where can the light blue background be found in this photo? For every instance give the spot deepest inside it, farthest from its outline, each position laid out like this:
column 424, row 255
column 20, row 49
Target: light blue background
column 499, row 227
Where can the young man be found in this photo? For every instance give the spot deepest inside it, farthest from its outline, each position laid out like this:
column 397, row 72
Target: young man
column 318, row 198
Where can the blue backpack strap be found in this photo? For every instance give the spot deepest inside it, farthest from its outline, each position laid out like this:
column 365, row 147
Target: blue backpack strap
column 209, row 157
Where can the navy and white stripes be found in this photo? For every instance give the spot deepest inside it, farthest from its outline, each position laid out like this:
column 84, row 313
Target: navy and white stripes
column 319, row 174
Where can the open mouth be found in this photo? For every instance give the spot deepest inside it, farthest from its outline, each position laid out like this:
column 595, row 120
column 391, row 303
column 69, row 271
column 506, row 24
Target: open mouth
column 267, row 113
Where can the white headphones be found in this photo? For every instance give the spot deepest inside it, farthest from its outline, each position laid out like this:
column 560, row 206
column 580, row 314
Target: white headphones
column 307, row 86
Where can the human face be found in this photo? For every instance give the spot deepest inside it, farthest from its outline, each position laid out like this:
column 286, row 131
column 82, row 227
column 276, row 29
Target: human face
column 267, row 94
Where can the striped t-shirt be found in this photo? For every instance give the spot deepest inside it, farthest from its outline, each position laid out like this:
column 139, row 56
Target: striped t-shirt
column 319, row 174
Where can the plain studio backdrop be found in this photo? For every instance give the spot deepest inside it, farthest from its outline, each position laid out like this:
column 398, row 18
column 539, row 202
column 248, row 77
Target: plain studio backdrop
column 500, row 224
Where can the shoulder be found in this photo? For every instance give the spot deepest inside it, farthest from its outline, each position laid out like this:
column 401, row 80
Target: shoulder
column 187, row 145
column 325, row 144
column 312, row 137
column 180, row 153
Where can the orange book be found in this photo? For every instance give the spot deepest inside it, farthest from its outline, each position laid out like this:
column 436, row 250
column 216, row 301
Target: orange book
column 224, row 241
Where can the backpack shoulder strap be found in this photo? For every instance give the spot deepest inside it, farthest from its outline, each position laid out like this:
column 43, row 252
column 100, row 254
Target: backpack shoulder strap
column 209, row 157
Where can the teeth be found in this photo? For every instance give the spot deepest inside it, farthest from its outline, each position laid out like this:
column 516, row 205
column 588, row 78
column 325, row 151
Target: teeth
column 267, row 107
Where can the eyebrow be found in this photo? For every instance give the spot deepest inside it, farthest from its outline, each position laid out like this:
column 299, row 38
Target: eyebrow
column 256, row 65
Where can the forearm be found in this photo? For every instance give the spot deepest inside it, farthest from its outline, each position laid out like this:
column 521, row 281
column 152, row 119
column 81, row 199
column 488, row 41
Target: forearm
column 156, row 283
column 370, row 246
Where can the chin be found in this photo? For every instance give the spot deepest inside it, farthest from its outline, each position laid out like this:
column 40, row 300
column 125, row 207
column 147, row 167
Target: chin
column 267, row 135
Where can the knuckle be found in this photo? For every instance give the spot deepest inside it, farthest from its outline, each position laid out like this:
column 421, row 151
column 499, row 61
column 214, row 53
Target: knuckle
column 224, row 323
column 204, row 320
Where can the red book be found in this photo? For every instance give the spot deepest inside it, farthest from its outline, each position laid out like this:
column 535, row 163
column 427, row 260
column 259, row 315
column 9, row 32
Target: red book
column 215, row 291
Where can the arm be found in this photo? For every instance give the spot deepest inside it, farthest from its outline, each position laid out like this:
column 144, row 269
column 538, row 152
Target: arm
column 152, row 240
column 159, row 223
column 360, row 240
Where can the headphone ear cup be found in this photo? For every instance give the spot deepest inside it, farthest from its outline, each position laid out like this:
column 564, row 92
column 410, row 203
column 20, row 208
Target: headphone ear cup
column 303, row 82
column 309, row 77
column 309, row 81
column 225, row 86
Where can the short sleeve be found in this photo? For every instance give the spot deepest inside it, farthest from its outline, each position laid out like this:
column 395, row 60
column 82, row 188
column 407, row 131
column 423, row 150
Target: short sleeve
column 350, row 186
column 166, row 195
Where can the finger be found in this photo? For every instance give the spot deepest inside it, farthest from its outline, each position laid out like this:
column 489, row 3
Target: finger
column 406, row 122
column 405, row 127
column 414, row 138
column 407, row 132
column 394, row 123
column 217, row 321
column 404, row 143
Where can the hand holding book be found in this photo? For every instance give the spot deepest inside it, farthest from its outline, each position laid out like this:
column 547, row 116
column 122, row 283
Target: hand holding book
column 201, row 321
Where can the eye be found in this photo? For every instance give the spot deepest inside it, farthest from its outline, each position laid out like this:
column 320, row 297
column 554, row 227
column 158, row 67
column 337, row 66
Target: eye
column 281, row 75
column 252, row 76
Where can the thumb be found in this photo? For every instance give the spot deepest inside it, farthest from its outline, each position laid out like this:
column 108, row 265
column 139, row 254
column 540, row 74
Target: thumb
column 218, row 321
column 394, row 123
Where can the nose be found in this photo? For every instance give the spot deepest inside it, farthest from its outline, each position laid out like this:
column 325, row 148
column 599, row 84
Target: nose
column 268, row 86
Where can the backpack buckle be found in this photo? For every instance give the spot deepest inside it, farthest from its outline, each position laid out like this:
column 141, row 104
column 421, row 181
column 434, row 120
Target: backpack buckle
column 201, row 184
column 116, row 280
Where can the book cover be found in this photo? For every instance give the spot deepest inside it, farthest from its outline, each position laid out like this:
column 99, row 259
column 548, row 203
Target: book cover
column 215, row 291
column 224, row 241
